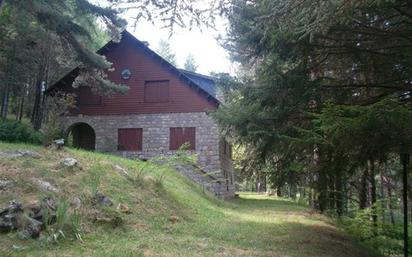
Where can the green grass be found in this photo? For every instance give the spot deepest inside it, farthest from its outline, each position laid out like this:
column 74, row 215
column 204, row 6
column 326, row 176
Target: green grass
column 252, row 225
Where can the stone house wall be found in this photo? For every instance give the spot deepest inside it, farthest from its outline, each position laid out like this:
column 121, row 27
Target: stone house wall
column 156, row 140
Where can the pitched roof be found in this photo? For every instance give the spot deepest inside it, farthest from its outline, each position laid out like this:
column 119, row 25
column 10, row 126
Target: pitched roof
column 203, row 84
column 207, row 83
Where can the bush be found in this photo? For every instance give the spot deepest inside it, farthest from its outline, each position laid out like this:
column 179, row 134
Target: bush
column 14, row 131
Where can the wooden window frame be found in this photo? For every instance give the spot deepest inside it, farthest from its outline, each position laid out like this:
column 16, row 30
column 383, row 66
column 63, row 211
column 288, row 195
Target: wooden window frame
column 135, row 147
column 147, row 85
column 181, row 135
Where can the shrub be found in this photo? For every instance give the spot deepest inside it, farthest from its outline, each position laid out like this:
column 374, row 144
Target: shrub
column 76, row 225
column 57, row 106
column 14, row 131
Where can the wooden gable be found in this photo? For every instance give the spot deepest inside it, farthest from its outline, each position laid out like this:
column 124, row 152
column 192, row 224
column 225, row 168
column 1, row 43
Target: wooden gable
column 154, row 85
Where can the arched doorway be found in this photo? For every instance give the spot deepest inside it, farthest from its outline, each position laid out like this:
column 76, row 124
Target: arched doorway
column 81, row 135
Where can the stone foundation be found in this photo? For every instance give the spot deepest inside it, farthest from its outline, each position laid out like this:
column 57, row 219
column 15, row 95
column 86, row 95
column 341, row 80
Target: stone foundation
column 156, row 141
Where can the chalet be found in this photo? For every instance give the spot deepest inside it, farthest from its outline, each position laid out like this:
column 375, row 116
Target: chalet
column 164, row 108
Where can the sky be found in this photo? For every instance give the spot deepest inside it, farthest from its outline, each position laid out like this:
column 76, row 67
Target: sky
column 203, row 45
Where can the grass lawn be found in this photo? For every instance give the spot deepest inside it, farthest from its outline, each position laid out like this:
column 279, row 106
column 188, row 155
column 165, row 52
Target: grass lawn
column 170, row 216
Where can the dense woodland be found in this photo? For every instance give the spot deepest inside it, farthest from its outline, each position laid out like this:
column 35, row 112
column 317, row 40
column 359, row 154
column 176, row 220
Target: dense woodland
column 320, row 110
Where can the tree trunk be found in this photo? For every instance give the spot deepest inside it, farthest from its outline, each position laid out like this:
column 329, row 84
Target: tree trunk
column 41, row 82
column 390, row 206
column 363, row 190
column 6, row 94
column 322, row 189
column 35, row 118
column 371, row 166
column 5, row 101
column 21, row 107
column 331, row 192
column 382, row 193
column 279, row 192
column 339, row 192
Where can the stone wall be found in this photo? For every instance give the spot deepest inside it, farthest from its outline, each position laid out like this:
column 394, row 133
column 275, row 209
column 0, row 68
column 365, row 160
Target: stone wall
column 156, row 138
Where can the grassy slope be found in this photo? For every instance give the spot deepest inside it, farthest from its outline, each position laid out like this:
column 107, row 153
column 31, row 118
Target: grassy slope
column 250, row 226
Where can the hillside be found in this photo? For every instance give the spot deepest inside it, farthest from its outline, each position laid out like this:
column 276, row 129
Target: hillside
column 161, row 213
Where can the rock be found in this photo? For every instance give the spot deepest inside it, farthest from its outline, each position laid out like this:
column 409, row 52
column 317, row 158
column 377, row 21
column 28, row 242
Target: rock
column 18, row 247
column 8, row 223
column 50, row 203
column 46, row 186
column 102, row 199
column 123, row 208
column 174, row 219
column 121, row 170
column 69, row 162
column 41, row 211
column 58, row 143
column 10, row 217
column 20, row 153
column 32, row 228
column 27, row 153
column 5, row 184
column 75, row 203
column 35, row 210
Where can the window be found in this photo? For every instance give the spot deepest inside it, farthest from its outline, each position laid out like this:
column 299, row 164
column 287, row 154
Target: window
column 129, row 139
column 87, row 97
column 156, row 91
column 180, row 136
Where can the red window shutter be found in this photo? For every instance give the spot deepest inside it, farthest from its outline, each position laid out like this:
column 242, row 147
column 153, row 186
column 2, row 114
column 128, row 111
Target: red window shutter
column 172, row 139
column 87, row 97
column 130, row 139
column 190, row 137
column 176, row 138
column 180, row 136
column 156, row 91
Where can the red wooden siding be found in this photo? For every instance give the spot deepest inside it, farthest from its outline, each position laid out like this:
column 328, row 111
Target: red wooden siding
column 180, row 136
column 156, row 91
column 85, row 96
column 130, row 139
column 144, row 68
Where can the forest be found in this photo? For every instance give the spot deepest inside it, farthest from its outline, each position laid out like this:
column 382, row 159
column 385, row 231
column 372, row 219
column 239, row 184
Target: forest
column 319, row 110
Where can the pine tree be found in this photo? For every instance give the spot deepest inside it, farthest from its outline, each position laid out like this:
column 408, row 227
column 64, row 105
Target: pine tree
column 165, row 50
column 190, row 63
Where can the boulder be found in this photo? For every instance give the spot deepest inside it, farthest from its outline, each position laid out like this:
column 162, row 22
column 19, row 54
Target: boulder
column 50, row 203
column 75, row 203
column 5, row 184
column 121, row 170
column 28, row 153
column 174, row 219
column 32, row 228
column 69, row 162
column 10, row 217
column 123, row 208
column 20, row 153
column 46, row 186
column 101, row 199
column 58, row 143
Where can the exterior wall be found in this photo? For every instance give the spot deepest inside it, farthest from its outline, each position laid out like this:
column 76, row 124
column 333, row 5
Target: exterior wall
column 128, row 54
column 187, row 107
column 156, row 142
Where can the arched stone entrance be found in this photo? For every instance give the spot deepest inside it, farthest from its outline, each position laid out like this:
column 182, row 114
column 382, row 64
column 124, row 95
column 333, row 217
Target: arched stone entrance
column 82, row 136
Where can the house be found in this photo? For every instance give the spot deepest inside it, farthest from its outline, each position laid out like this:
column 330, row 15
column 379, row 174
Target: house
column 164, row 108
